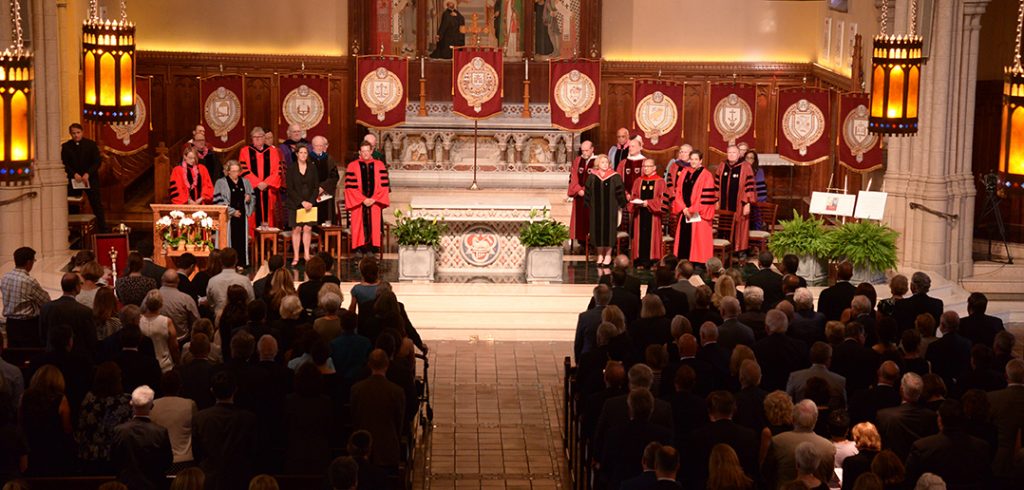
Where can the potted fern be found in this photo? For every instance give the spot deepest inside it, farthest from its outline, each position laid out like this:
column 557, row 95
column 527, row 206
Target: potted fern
column 869, row 246
column 418, row 239
column 543, row 238
column 804, row 238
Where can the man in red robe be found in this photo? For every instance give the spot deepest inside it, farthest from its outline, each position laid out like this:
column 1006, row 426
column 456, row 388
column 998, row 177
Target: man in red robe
column 190, row 183
column 261, row 165
column 736, row 190
column 695, row 205
column 579, row 223
column 646, row 210
column 367, row 190
column 629, row 168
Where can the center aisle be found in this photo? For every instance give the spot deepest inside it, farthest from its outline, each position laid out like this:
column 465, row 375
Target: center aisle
column 497, row 409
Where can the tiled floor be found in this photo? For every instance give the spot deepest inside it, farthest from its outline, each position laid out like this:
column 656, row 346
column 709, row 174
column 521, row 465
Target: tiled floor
column 497, row 409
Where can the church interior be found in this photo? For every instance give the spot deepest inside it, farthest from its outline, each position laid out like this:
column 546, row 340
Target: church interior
column 893, row 130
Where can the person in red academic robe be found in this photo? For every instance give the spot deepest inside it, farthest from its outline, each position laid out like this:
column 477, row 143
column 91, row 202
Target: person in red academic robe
column 695, row 196
column 647, row 214
column 582, row 166
column 629, row 167
column 736, row 190
column 675, row 167
column 367, row 194
column 190, row 183
column 261, row 166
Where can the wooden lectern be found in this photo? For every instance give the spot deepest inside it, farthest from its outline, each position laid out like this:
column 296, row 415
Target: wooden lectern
column 219, row 213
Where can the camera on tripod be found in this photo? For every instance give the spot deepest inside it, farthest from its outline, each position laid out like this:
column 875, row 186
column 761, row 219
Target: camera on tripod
column 991, row 181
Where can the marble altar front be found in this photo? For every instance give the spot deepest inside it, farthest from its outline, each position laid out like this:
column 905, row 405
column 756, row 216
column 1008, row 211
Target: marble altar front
column 483, row 231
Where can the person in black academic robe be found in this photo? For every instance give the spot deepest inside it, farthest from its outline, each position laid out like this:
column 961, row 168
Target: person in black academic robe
column 449, row 33
column 303, row 187
column 606, row 196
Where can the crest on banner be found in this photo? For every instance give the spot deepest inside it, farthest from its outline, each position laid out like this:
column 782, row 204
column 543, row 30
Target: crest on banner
column 304, row 107
column 477, row 82
column 575, row 93
column 223, row 111
column 656, row 115
column 803, row 124
column 124, row 132
column 382, row 91
column 856, row 134
column 733, row 118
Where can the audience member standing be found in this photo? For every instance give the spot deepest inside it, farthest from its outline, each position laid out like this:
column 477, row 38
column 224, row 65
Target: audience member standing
column 900, row 426
column 142, row 449
column 179, row 307
column 66, row 310
column 224, row 438
column 23, row 300
column 378, row 406
column 160, row 330
column 907, row 309
column 176, row 414
column 217, row 289
column 834, row 299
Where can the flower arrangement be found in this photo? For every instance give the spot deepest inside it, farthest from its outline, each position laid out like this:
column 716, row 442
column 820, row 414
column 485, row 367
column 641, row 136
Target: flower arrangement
column 542, row 231
column 411, row 231
column 194, row 231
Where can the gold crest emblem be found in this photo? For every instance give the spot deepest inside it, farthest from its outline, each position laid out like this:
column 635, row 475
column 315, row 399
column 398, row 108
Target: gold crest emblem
column 803, row 124
column 656, row 115
column 304, row 107
column 733, row 118
column 382, row 91
column 124, row 132
column 575, row 94
column 477, row 82
column 222, row 112
column 856, row 134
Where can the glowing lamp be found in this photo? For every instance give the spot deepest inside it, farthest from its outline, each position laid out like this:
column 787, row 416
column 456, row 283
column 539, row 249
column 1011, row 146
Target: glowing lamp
column 108, row 66
column 1011, row 142
column 16, row 135
column 895, row 84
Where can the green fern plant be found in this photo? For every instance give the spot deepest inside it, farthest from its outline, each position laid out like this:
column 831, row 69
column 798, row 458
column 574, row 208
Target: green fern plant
column 543, row 232
column 800, row 237
column 865, row 244
column 411, row 231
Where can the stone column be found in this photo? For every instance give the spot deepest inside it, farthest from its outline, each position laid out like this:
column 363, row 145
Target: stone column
column 41, row 221
column 934, row 168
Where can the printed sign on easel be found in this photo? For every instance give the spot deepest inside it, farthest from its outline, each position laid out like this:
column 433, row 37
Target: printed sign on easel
column 870, row 205
column 833, row 204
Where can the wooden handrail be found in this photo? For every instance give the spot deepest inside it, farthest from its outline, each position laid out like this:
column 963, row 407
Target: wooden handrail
column 26, row 195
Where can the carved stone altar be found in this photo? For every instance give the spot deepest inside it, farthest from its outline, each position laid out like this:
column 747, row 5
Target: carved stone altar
column 483, row 231
column 439, row 146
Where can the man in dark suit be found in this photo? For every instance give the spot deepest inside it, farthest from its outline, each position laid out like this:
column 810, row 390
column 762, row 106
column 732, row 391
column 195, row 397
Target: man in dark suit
column 614, row 386
column 588, row 321
column 224, row 438
column 197, row 373
column 907, row 309
column 715, row 354
column 779, row 354
column 853, row 360
column 834, row 299
column 752, row 316
column 187, row 265
column 623, row 297
column 820, row 357
column 76, row 369
column 960, row 459
column 138, row 368
column 950, row 355
column 807, row 325
column 864, row 406
column 750, row 397
column 111, row 346
column 615, row 411
column 648, row 477
column 66, row 310
column 684, row 271
column 1008, row 418
column 977, row 326
column 675, row 301
column 631, row 283
column 862, row 313
column 590, row 367
column 790, row 264
column 378, row 406
column 666, row 469
column 901, row 425
column 149, row 268
column 141, row 448
column 687, row 347
column 721, row 430
column 732, row 332
column 248, row 378
column 621, row 451
column 261, row 287
column 768, row 280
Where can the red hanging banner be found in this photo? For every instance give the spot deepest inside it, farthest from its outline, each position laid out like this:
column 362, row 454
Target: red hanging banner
column 658, row 113
column 477, row 75
column 381, row 90
column 804, row 120
column 129, row 139
column 575, row 93
column 733, row 108
column 304, row 100
column 221, row 103
column 859, row 149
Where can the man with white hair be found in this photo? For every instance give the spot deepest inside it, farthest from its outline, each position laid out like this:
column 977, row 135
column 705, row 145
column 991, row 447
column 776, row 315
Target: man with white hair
column 807, row 325
column 261, row 165
column 777, row 353
column 900, row 426
column 907, row 309
column 631, row 166
column 753, row 316
column 296, row 136
column 780, row 464
column 141, row 448
column 732, row 332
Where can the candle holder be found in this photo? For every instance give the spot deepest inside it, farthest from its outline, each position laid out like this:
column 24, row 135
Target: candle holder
column 423, row 97
column 527, row 113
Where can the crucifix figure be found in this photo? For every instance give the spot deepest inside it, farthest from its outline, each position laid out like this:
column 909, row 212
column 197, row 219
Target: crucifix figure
column 475, row 29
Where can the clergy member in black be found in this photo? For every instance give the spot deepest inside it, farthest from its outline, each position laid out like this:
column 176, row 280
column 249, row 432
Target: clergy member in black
column 81, row 158
column 606, row 196
column 449, row 32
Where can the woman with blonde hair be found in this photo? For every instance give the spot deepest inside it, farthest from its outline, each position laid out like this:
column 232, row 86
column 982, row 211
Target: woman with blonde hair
column 724, row 470
column 739, row 354
column 160, row 330
column 778, row 412
column 281, row 284
column 613, row 314
column 652, row 328
column 869, row 444
column 605, row 194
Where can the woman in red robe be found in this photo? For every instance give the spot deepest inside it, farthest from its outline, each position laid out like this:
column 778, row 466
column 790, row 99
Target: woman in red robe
column 261, row 166
column 579, row 223
column 190, row 183
column 736, row 190
column 367, row 191
column 646, row 212
column 695, row 202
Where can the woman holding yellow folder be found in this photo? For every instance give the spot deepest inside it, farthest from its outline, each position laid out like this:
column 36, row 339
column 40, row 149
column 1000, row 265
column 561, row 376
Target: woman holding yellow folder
column 303, row 187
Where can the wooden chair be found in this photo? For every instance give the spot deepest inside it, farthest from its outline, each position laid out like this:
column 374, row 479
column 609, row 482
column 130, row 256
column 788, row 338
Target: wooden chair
column 265, row 245
column 724, row 229
column 84, row 225
column 766, row 212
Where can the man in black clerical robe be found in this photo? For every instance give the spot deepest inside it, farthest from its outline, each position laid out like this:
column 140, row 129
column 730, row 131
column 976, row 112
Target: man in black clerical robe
column 449, row 32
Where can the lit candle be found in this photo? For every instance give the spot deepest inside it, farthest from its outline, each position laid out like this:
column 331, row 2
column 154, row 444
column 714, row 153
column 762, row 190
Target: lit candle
column 527, row 63
column 845, row 177
column 422, row 67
